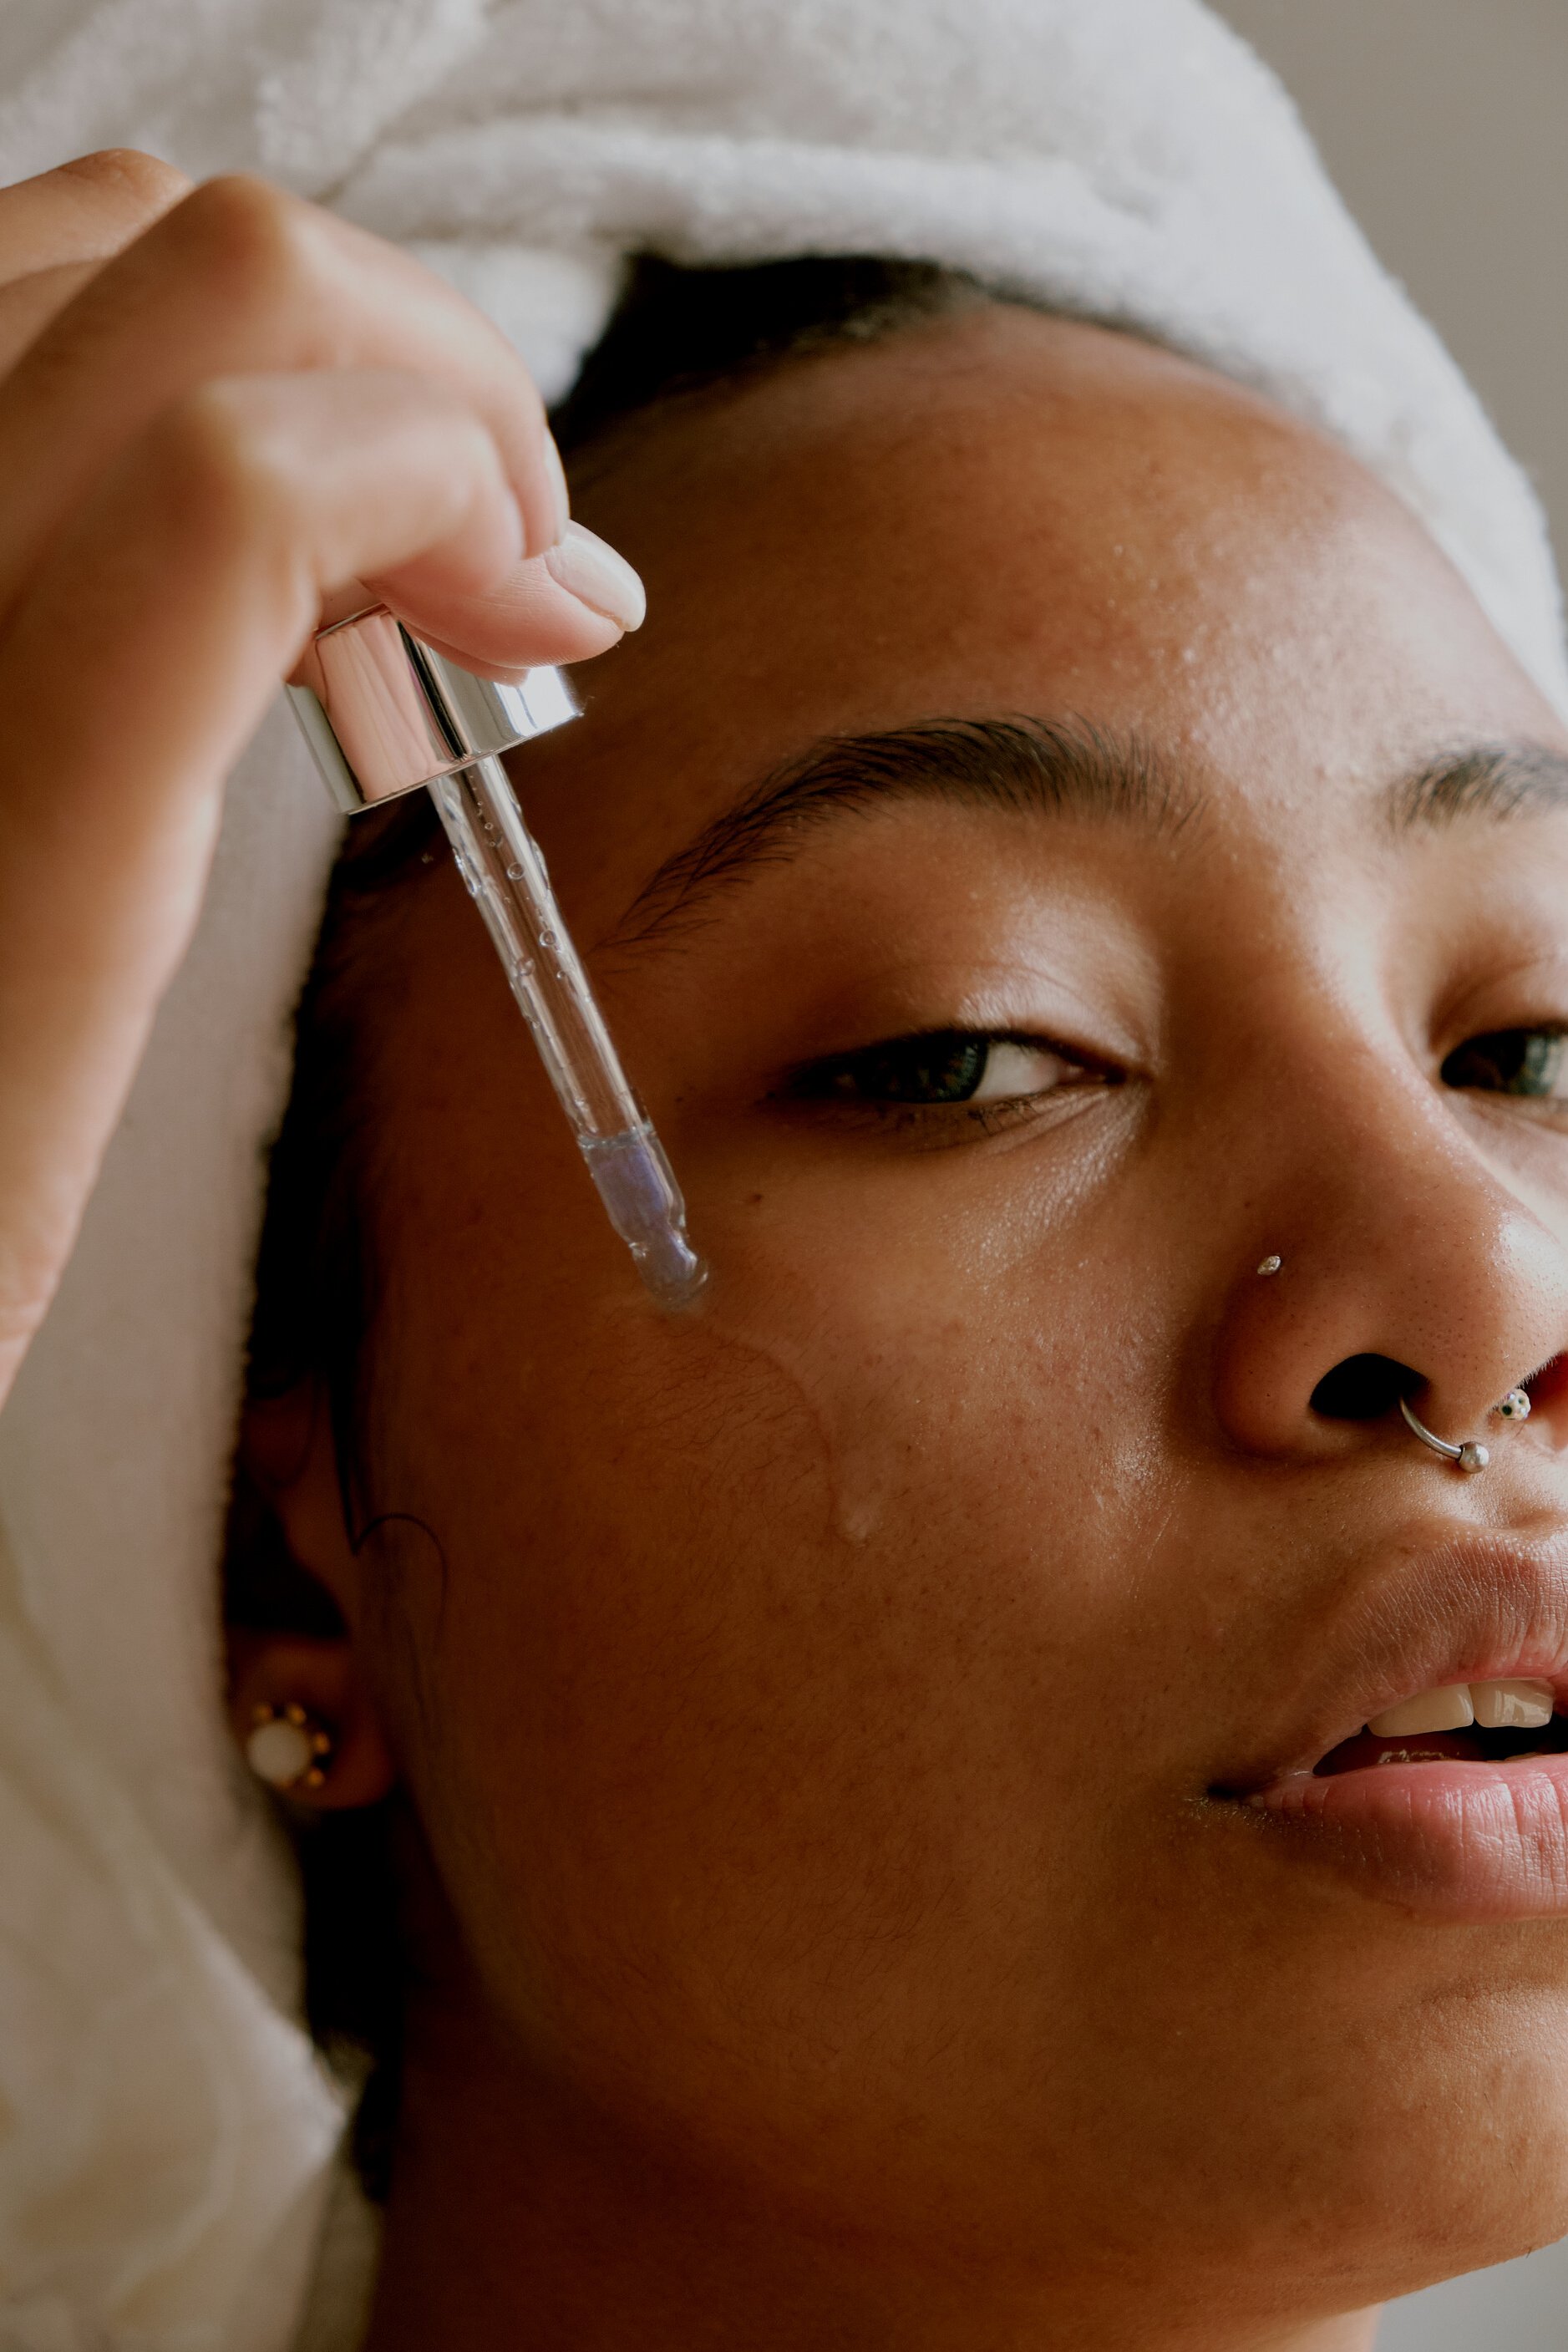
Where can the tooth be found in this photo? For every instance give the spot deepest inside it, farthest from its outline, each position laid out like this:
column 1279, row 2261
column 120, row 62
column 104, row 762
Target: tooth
column 1432, row 1710
column 1512, row 1707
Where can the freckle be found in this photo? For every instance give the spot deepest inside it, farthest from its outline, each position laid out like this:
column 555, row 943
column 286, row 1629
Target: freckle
column 754, row 1202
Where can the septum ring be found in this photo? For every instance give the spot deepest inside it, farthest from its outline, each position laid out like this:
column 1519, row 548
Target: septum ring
column 1470, row 1455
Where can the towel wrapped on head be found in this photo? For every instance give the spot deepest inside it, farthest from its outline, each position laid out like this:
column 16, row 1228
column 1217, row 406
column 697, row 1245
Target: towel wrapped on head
column 1125, row 160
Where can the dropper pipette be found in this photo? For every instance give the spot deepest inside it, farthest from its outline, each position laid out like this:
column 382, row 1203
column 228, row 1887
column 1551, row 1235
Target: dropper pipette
column 385, row 715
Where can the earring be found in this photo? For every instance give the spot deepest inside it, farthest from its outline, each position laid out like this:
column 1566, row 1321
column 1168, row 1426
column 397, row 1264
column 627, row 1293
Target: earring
column 288, row 1747
column 1272, row 1264
column 1470, row 1456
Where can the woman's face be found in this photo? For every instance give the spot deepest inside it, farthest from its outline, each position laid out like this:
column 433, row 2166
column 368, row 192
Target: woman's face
column 831, row 1711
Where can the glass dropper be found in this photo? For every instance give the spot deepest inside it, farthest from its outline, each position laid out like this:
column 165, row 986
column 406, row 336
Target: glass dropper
column 385, row 715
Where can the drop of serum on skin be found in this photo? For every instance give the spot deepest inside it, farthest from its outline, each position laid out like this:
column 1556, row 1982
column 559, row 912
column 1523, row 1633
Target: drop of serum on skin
column 858, row 1520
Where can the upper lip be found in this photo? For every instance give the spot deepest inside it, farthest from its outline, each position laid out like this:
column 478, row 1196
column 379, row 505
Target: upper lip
column 1435, row 1607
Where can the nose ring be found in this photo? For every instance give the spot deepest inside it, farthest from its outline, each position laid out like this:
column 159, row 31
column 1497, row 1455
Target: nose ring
column 1470, row 1454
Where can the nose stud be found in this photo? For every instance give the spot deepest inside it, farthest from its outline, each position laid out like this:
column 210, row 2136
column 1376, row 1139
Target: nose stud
column 1470, row 1455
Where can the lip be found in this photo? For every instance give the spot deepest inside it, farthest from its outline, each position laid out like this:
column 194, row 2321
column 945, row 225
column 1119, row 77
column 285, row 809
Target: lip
column 1467, row 1841
column 1460, row 1840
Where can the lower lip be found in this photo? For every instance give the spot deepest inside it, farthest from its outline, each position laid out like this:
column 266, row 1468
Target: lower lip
column 1465, row 1842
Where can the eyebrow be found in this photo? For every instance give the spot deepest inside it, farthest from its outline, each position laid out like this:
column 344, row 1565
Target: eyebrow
column 1493, row 781
column 1017, row 764
column 1039, row 767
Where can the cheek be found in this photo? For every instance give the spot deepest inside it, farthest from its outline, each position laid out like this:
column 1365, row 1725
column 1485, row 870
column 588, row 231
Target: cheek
column 739, row 1686
column 765, row 1697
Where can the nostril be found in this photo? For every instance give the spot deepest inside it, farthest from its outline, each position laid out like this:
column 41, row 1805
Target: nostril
column 1550, row 1385
column 1364, row 1387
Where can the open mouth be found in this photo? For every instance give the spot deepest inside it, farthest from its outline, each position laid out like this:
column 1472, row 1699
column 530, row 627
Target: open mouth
column 1462, row 1723
column 1449, row 1797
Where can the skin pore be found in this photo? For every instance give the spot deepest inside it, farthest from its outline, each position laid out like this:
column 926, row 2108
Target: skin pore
column 822, row 1712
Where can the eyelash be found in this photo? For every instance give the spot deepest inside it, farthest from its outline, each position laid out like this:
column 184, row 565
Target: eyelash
column 1523, row 1065
column 962, row 1057
column 1491, row 1063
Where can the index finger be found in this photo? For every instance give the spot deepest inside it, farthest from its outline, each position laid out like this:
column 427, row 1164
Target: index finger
column 235, row 280
column 83, row 210
column 58, row 229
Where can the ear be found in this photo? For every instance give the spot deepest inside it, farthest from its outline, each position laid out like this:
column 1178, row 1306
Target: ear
column 269, row 1673
column 287, row 1457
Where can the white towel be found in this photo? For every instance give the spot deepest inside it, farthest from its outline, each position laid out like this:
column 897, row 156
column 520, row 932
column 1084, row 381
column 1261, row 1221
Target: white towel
column 1129, row 159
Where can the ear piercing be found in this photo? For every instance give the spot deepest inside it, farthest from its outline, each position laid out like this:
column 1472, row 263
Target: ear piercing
column 1272, row 1264
column 1470, row 1455
column 288, row 1747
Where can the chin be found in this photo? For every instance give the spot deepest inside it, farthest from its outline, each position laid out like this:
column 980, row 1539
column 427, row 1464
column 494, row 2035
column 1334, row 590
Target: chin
column 1471, row 2172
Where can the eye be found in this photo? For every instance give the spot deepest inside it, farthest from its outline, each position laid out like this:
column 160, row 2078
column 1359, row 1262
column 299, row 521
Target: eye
column 940, row 1067
column 1532, row 1063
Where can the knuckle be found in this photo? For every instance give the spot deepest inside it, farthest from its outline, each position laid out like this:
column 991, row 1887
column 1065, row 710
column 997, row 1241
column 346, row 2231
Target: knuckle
column 219, row 466
column 256, row 241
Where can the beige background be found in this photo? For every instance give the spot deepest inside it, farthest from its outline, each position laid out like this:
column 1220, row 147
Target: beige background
column 1446, row 124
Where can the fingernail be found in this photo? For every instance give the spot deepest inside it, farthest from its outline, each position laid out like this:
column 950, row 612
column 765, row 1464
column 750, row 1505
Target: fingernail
column 557, row 473
column 590, row 570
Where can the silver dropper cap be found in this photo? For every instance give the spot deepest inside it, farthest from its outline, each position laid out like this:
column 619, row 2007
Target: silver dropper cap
column 384, row 713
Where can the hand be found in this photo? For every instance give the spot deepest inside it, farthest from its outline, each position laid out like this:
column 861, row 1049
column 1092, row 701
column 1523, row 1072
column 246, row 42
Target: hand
column 223, row 413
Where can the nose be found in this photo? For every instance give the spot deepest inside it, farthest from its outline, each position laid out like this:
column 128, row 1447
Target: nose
column 1410, row 1268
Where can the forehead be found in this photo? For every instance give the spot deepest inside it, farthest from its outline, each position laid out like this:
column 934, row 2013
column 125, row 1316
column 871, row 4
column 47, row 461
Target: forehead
column 1003, row 512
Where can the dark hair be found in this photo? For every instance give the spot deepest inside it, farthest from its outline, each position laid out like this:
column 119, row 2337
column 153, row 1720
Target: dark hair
column 676, row 333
